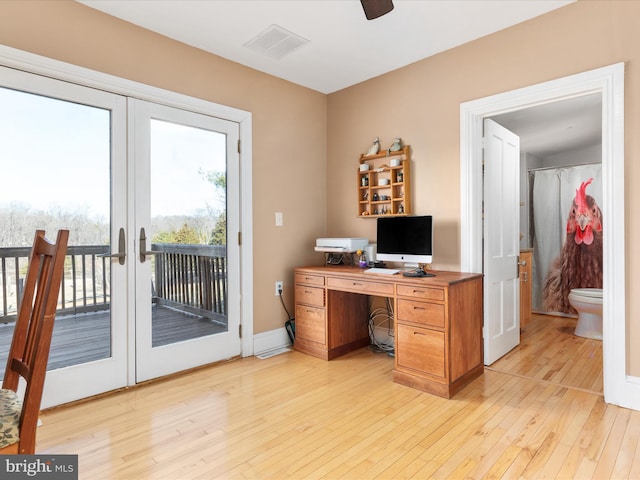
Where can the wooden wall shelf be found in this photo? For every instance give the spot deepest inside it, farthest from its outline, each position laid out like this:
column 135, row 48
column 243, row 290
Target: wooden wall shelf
column 384, row 189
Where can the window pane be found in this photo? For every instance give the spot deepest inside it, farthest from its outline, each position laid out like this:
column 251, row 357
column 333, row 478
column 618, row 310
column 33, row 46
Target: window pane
column 55, row 161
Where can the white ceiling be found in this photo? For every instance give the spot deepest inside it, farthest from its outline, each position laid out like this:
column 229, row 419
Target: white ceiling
column 345, row 48
column 558, row 127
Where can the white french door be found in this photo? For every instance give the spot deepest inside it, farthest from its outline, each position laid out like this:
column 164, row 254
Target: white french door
column 186, row 199
column 63, row 163
column 148, row 193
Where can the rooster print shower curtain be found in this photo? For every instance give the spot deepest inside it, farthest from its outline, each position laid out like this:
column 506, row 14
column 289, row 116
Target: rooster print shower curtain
column 566, row 234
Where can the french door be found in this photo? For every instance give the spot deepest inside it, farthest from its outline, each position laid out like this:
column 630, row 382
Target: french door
column 148, row 193
column 186, row 170
column 62, row 157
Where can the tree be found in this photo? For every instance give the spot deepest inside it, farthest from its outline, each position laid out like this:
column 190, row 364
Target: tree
column 219, row 182
column 219, row 233
column 185, row 236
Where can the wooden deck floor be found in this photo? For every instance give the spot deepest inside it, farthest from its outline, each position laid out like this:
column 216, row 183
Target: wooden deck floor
column 87, row 337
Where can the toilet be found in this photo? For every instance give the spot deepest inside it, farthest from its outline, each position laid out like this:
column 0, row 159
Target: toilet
column 588, row 304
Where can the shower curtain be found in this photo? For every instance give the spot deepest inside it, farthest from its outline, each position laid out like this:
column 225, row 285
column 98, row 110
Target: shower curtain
column 552, row 192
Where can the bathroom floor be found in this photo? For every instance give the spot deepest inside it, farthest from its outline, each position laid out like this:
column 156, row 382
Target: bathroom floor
column 549, row 351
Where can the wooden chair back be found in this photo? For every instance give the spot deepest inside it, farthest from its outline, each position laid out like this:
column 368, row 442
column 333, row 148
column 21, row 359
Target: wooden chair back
column 31, row 341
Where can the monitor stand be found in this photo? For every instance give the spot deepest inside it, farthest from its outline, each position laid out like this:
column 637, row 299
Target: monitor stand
column 415, row 270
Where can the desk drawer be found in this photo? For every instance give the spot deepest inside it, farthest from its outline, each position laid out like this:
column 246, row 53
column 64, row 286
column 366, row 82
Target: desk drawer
column 361, row 286
column 421, row 349
column 310, row 295
column 425, row 293
column 310, row 324
column 309, row 279
column 431, row 314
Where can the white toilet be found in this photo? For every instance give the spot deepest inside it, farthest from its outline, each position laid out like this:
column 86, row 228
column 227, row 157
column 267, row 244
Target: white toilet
column 588, row 304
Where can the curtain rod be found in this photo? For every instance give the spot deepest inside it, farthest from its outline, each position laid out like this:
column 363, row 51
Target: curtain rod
column 531, row 170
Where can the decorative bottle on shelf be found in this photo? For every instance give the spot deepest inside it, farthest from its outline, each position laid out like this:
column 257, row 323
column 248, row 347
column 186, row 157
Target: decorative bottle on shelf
column 399, row 177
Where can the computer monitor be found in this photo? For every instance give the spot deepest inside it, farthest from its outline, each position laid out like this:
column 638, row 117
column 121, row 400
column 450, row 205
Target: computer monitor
column 407, row 240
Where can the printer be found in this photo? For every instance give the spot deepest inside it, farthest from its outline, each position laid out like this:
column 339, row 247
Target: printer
column 340, row 245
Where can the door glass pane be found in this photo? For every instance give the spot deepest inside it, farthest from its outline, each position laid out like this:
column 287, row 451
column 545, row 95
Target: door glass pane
column 188, row 232
column 55, row 164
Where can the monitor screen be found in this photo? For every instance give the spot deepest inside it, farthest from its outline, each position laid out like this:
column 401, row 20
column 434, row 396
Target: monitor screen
column 405, row 239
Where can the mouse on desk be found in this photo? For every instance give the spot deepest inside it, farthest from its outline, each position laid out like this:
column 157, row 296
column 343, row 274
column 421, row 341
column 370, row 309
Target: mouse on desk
column 418, row 273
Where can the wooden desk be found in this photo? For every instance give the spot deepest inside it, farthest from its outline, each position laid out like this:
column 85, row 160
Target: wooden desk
column 438, row 322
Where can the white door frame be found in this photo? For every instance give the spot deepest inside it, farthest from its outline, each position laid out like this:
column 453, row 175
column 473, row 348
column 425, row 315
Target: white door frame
column 619, row 388
column 38, row 64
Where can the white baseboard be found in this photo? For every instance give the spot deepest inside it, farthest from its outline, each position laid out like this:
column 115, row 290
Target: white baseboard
column 271, row 340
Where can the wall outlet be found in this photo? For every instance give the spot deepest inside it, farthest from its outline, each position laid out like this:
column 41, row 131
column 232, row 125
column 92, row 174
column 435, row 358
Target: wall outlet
column 279, row 287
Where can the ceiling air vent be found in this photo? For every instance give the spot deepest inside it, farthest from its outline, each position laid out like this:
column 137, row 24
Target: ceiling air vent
column 276, row 42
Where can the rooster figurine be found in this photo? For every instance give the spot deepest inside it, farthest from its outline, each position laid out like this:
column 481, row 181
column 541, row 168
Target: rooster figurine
column 579, row 264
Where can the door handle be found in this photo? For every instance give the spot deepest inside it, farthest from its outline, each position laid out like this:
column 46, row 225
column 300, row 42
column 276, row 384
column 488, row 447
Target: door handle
column 521, row 262
column 143, row 247
column 121, row 255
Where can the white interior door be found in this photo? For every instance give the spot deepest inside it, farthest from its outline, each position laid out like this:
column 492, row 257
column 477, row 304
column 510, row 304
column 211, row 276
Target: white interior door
column 186, row 224
column 501, row 241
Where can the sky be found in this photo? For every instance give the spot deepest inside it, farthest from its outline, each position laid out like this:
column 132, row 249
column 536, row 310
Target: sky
column 55, row 153
column 178, row 155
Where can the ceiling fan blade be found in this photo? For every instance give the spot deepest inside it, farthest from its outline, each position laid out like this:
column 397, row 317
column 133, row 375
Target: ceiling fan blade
column 376, row 8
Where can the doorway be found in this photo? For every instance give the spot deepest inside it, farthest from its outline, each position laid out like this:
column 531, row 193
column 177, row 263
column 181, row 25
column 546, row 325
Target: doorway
column 610, row 82
column 561, row 146
column 115, row 273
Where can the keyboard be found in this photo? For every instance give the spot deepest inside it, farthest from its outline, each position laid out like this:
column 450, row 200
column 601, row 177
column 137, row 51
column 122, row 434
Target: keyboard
column 384, row 271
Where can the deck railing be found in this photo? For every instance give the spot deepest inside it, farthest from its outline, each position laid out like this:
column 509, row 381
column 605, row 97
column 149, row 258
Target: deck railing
column 187, row 277
column 192, row 278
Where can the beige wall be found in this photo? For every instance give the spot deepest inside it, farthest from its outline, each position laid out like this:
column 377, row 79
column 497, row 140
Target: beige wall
column 289, row 123
column 421, row 104
column 306, row 144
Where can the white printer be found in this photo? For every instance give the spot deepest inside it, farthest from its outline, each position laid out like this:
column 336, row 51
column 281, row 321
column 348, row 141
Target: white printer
column 340, row 245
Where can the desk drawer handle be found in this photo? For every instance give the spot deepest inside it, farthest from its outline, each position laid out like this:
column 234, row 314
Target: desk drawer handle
column 419, row 333
column 308, row 291
column 356, row 284
column 419, row 308
column 418, row 291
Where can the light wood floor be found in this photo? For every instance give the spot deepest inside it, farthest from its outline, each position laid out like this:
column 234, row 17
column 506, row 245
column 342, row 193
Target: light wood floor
column 550, row 351
column 292, row 416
